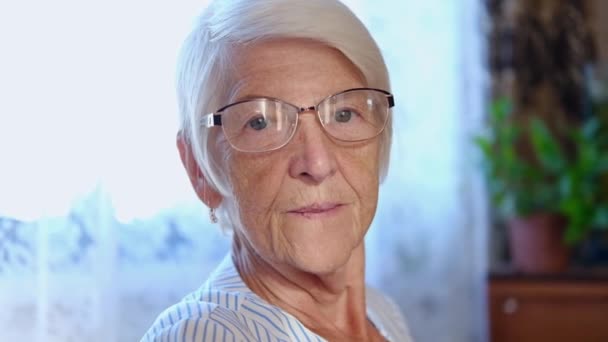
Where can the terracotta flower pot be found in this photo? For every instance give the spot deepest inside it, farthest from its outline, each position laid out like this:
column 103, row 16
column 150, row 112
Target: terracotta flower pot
column 536, row 243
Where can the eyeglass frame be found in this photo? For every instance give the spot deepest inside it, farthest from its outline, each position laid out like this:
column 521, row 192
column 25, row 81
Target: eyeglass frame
column 215, row 118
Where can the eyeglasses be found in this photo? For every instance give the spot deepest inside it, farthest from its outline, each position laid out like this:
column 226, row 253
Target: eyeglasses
column 266, row 124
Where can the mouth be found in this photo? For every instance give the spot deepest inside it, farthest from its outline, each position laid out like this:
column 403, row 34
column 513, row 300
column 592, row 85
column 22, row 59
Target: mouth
column 317, row 210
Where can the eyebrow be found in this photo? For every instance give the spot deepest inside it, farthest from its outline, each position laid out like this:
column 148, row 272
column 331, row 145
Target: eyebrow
column 248, row 97
column 253, row 97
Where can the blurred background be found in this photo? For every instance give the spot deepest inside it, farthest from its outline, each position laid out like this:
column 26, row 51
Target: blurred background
column 498, row 125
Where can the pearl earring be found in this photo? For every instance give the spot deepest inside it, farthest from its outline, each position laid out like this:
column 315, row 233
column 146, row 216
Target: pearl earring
column 212, row 215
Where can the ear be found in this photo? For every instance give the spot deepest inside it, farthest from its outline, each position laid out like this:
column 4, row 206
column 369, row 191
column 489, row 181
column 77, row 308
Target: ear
column 201, row 186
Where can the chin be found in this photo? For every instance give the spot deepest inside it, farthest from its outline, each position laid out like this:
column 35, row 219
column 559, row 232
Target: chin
column 321, row 247
column 321, row 259
column 320, row 263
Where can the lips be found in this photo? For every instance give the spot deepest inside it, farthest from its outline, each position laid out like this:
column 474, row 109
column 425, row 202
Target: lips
column 316, row 209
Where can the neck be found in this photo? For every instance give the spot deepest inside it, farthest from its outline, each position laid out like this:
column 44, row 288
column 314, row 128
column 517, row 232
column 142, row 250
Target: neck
column 329, row 304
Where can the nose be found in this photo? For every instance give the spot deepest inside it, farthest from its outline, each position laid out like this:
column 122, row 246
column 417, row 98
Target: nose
column 313, row 159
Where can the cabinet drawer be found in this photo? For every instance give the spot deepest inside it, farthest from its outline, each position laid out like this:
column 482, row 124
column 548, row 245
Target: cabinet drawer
column 522, row 311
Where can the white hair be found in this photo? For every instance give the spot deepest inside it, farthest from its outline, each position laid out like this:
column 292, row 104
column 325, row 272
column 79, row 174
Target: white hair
column 205, row 77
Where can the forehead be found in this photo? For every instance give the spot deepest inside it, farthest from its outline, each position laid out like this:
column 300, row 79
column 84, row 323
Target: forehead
column 297, row 71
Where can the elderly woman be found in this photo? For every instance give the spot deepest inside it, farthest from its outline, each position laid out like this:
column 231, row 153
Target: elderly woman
column 285, row 136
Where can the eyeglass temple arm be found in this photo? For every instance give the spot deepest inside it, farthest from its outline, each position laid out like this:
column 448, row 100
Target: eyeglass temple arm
column 391, row 101
column 211, row 120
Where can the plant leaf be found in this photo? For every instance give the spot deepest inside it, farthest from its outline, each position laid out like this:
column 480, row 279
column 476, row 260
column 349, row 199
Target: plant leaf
column 545, row 146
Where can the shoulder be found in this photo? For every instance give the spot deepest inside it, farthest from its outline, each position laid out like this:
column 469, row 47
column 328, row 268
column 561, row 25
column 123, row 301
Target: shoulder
column 194, row 320
column 387, row 316
column 214, row 315
column 224, row 308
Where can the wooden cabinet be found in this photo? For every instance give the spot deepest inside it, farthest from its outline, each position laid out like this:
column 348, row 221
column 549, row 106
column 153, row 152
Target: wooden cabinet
column 538, row 309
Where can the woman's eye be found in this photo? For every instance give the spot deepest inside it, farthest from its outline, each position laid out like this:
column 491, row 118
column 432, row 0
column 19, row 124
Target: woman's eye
column 343, row 115
column 258, row 123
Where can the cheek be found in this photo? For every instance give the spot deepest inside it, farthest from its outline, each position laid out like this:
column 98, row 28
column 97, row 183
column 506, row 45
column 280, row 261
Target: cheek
column 361, row 169
column 257, row 182
column 361, row 172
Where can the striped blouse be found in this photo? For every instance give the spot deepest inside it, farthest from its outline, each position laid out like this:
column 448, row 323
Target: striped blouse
column 225, row 309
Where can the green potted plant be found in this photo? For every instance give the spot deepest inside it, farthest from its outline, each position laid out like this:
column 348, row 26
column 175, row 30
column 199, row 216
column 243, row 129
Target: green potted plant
column 523, row 188
column 552, row 198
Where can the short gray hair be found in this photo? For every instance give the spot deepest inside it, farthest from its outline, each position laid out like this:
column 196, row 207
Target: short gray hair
column 204, row 77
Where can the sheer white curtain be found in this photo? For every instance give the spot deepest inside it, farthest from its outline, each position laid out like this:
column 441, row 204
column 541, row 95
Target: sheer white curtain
column 99, row 230
column 428, row 244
